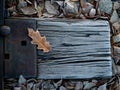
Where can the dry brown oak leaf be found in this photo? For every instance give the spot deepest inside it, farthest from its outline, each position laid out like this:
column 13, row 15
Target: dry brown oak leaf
column 39, row 40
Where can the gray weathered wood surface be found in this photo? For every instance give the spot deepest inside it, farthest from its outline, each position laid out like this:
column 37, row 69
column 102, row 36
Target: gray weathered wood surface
column 80, row 49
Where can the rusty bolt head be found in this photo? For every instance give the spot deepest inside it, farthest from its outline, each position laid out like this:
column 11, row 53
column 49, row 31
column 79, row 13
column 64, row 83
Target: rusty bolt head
column 4, row 30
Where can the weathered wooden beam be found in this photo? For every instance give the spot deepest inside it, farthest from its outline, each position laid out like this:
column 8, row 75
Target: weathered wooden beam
column 80, row 49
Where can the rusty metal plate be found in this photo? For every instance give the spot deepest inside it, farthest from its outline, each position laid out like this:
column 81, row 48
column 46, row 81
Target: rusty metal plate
column 1, row 63
column 20, row 54
column 1, row 12
column 1, row 44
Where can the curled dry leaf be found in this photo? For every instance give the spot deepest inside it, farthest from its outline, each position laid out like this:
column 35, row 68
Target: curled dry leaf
column 40, row 41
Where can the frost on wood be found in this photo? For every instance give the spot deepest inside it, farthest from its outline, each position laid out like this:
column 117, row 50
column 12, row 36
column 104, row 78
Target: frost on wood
column 39, row 40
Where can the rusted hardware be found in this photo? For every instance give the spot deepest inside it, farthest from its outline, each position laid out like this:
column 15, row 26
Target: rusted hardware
column 1, row 45
column 4, row 31
column 20, row 54
column 1, row 63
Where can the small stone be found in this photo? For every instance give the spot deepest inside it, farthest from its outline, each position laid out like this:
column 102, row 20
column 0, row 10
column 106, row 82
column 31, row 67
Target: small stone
column 116, row 25
column 35, row 87
column 24, row 88
column 50, row 8
column 60, row 3
column 87, row 8
column 95, row 88
column 12, row 9
column 58, row 83
column 28, row 10
column 21, row 80
column 46, row 85
column 82, row 16
column 62, row 88
column 89, row 85
column 85, row 82
column 116, row 38
column 116, row 5
column 22, row 4
column 70, row 7
column 103, row 87
column 114, row 18
column 30, row 85
column 94, row 81
column 118, row 12
column 28, row 88
column 79, row 86
column 105, row 6
column 92, row 12
column 17, row 88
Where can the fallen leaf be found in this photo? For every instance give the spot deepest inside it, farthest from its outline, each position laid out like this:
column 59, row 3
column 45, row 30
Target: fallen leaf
column 39, row 40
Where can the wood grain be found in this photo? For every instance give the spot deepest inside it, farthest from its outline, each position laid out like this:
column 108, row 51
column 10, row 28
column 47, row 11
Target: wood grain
column 80, row 49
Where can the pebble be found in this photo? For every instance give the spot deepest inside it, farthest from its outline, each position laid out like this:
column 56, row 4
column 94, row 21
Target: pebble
column 116, row 38
column 116, row 5
column 94, row 81
column 92, row 12
column 62, row 88
column 114, row 18
column 30, row 85
column 87, row 8
column 95, row 88
column 22, row 4
column 58, row 83
column 89, row 85
column 105, row 6
column 21, row 80
column 116, row 25
column 50, row 8
column 17, row 88
column 28, row 10
column 70, row 7
column 79, row 85
column 103, row 87
column 118, row 12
